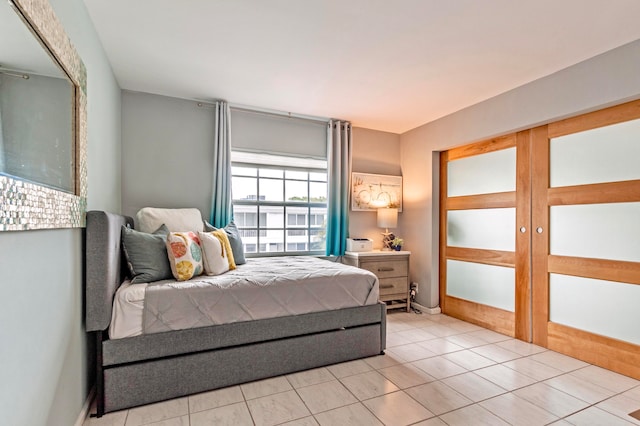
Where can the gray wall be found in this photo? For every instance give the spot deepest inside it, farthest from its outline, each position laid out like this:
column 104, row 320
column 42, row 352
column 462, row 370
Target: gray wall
column 167, row 153
column 605, row 80
column 44, row 350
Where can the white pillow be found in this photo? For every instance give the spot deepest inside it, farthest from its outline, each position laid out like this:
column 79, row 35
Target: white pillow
column 214, row 256
column 149, row 219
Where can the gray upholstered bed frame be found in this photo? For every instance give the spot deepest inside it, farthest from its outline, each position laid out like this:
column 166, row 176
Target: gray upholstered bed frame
column 143, row 369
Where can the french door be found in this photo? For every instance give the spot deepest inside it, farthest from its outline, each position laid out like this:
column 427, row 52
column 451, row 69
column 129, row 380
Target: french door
column 540, row 236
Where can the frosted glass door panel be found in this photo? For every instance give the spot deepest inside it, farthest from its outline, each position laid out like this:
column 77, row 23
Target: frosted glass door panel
column 483, row 174
column 491, row 229
column 607, row 154
column 486, row 284
column 602, row 307
column 603, row 231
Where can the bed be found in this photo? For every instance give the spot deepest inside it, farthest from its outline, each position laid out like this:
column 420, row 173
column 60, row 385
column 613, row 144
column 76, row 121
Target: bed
column 135, row 367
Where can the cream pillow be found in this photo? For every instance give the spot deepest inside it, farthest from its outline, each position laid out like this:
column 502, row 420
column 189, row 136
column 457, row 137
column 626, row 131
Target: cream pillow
column 148, row 219
column 217, row 256
column 185, row 255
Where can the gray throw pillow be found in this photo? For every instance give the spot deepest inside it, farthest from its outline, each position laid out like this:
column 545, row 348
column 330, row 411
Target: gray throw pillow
column 234, row 240
column 146, row 254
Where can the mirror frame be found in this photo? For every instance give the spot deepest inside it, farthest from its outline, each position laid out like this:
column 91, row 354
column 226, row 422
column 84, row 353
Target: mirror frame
column 25, row 205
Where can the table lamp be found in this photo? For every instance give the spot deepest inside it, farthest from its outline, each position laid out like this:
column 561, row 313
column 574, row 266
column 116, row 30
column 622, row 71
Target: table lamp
column 387, row 218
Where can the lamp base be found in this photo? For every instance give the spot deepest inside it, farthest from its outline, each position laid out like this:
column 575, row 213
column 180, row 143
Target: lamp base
column 387, row 239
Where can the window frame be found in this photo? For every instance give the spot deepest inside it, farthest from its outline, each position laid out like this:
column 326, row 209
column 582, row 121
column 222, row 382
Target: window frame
column 261, row 230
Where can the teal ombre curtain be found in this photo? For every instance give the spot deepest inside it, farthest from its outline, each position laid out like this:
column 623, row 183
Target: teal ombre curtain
column 339, row 172
column 221, row 210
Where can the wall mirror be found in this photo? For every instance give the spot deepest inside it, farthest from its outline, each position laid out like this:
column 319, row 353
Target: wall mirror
column 42, row 121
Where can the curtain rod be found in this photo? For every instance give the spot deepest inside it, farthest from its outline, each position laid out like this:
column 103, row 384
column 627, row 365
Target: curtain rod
column 271, row 112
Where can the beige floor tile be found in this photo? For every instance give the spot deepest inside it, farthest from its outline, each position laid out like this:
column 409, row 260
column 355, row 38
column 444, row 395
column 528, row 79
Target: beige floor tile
column 469, row 359
column 157, row 412
column 417, row 335
column 520, row 347
column 406, row 375
column 466, row 341
column 579, row 388
column 229, row 415
column 215, row 399
column 517, row 411
column 633, row 393
column 472, row 415
column 265, row 387
column 368, row 385
column 306, row 421
column 351, row 415
column 505, row 377
column 554, row 401
column 434, row 421
column 326, row 396
column 532, row 368
column 438, row 397
column 561, row 423
column 496, row 353
column 396, row 339
column 490, row 336
column 439, row 367
column 465, row 327
column 442, row 330
column 411, row 352
column 396, row 326
column 277, row 408
column 383, row 361
column 440, row 346
column 594, row 416
column 111, row 419
column 349, row 368
column 621, row 406
column 605, row 378
column 473, row 386
column 397, row 408
column 310, row 377
column 559, row 361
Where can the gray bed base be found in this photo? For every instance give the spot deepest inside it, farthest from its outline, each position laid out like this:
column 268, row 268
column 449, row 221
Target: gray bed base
column 150, row 368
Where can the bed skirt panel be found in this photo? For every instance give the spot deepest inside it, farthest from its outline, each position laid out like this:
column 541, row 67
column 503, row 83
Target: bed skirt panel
column 161, row 379
column 165, row 344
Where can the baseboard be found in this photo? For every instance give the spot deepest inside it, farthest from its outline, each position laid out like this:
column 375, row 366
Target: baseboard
column 424, row 309
column 86, row 408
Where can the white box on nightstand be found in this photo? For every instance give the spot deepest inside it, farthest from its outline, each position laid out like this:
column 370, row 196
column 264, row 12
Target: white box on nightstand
column 359, row 244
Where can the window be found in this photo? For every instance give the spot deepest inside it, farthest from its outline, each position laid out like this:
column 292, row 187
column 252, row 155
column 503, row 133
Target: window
column 279, row 203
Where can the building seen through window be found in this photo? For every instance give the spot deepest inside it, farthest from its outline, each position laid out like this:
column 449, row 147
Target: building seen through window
column 279, row 203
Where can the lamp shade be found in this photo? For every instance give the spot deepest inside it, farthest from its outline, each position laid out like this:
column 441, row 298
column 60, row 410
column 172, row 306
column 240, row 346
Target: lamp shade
column 387, row 218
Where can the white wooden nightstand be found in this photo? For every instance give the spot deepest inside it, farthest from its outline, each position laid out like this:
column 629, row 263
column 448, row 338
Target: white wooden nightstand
column 391, row 268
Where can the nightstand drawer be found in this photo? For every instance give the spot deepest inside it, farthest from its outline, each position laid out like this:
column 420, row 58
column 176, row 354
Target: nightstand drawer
column 393, row 286
column 387, row 268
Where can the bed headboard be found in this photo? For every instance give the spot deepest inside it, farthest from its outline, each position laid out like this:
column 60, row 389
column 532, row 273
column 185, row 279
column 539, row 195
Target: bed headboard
column 104, row 266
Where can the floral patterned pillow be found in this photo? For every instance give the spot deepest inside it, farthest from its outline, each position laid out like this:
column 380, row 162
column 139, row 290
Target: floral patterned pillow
column 185, row 255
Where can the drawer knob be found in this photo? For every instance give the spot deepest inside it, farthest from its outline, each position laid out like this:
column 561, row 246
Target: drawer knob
column 385, row 269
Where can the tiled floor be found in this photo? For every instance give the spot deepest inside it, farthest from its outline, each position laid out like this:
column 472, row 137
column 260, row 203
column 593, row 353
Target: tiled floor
column 437, row 370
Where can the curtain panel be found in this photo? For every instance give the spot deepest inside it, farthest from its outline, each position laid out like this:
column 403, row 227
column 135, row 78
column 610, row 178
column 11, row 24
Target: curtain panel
column 221, row 209
column 339, row 172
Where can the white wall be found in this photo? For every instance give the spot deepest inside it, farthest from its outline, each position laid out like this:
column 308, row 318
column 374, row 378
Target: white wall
column 605, row 80
column 44, row 367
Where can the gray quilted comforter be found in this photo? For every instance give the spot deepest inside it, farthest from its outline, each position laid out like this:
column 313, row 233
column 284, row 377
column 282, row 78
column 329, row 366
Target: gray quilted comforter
column 261, row 288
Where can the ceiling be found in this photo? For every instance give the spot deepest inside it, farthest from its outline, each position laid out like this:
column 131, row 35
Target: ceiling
column 384, row 65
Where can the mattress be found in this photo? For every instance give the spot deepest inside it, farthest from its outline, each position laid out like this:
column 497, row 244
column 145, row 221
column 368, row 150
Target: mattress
column 262, row 288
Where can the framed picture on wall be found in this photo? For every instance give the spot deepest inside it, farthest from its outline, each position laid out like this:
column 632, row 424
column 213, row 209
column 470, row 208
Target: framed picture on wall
column 370, row 192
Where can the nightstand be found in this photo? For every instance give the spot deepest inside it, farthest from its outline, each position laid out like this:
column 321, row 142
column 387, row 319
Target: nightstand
column 391, row 268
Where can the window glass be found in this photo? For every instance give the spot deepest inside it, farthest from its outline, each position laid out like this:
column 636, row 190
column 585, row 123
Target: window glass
column 280, row 209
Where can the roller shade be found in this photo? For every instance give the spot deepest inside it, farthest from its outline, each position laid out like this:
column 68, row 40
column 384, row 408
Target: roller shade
column 281, row 135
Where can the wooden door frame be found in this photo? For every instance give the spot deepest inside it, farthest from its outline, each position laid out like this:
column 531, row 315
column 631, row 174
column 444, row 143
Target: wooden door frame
column 516, row 324
column 607, row 352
